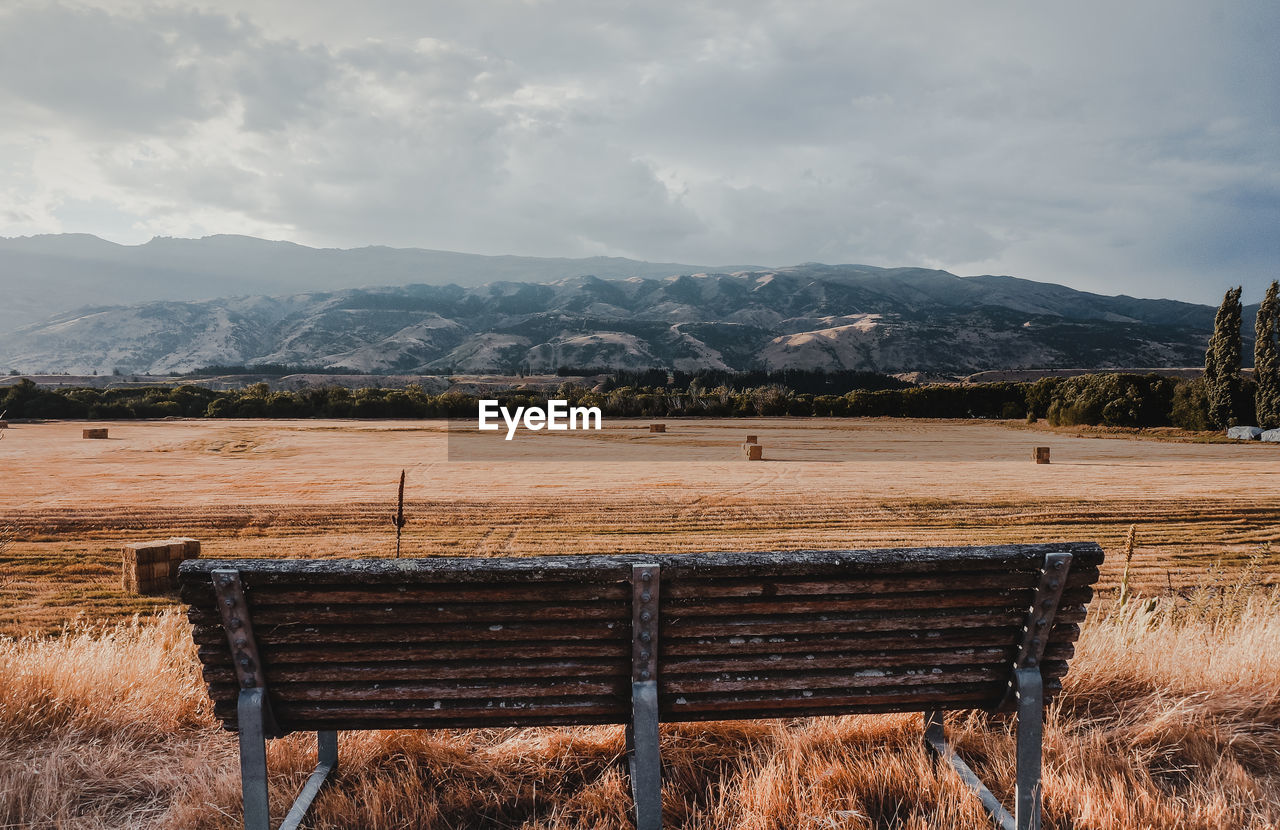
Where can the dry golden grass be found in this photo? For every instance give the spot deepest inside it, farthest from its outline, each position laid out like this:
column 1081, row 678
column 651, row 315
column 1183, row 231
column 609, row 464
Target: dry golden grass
column 1170, row 718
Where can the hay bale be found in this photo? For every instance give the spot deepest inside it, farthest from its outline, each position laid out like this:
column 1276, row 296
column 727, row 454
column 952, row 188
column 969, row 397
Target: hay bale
column 1041, row 455
column 1271, row 436
column 751, row 439
column 97, row 432
column 657, row 427
column 1244, row 433
column 152, row 567
column 755, row 452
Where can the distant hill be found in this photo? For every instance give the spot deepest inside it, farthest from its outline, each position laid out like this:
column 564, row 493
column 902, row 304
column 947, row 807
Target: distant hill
column 806, row 316
column 44, row 275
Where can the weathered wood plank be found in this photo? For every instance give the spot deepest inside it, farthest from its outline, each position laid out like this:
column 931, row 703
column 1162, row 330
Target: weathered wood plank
column 474, row 614
column 969, row 580
column 786, row 683
column 810, row 661
column 529, row 634
column 551, row 688
column 372, row 673
column 479, row 613
column 779, row 702
column 615, row 568
column 310, row 716
column 542, row 592
column 832, row 623
column 791, row 642
column 746, row 606
column 713, row 709
column 320, row 653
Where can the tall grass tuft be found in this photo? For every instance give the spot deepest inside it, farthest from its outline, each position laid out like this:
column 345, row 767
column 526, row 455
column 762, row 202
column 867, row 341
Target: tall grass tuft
column 1129, row 539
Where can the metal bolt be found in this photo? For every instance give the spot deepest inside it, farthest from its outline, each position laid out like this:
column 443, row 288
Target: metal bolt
column 235, row 622
column 646, row 596
column 1053, row 584
column 645, row 616
column 1041, row 623
column 249, row 682
column 1035, row 642
column 244, row 661
column 1031, row 662
column 646, row 576
column 1047, row 603
column 645, row 637
column 241, row 642
column 644, row 675
column 230, row 601
column 644, row 655
column 1057, row 566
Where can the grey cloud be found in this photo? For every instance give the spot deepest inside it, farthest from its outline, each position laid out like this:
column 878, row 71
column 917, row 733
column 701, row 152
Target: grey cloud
column 1128, row 147
column 101, row 70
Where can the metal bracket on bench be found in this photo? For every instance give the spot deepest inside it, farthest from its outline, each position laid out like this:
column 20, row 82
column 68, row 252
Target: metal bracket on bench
column 253, row 713
column 1026, row 687
column 642, row 732
column 238, row 625
column 1044, row 607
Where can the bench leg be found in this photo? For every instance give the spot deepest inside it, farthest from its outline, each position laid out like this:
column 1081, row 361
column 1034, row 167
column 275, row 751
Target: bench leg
column 1029, row 689
column 643, row 757
column 253, row 767
column 253, row 760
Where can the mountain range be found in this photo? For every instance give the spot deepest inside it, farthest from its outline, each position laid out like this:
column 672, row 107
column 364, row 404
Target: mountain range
column 51, row 273
column 804, row 316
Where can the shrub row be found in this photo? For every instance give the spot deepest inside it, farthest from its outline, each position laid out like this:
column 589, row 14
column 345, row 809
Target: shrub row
column 1105, row 399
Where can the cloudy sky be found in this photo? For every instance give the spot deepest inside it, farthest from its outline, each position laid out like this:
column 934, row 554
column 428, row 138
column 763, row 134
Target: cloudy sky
column 1118, row 147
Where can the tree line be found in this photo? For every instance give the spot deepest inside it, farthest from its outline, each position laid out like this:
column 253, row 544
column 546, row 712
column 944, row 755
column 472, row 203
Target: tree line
column 1107, row 399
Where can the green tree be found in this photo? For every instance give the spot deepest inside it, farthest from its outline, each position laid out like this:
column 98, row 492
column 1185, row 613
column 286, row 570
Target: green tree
column 1222, row 362
column 1266, row 358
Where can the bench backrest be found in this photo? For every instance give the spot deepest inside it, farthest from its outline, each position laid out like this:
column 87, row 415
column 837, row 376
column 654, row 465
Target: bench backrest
column 464, row 642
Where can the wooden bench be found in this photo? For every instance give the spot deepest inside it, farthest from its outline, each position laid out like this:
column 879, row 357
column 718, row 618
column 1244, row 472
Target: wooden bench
column 329, row 645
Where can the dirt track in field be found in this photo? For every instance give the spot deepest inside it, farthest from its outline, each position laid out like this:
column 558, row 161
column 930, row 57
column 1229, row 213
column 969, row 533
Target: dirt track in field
column 1204, row 512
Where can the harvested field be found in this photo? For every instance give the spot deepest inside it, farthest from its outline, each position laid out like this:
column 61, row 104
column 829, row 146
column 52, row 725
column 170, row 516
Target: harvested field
column 324, row 488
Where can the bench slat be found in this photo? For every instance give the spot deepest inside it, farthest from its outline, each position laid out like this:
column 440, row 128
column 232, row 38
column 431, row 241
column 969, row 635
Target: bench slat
column 849, row 681
column 552, row 688
column 604, row 569
column 690, row 588
column 406, row 613
column 418, row 652
column 207, row 634
column 836, row 623
column 443, row 594
column 731, row 645
column 720, row 607
column 415, row 670
column 372, row 716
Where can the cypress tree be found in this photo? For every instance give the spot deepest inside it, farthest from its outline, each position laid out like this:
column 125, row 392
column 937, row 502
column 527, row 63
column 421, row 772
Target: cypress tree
column 1222, row 361
column 1266, row 358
